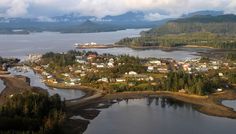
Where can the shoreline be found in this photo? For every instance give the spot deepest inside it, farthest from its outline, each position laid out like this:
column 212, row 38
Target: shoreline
column 204, row 104
column 209, row 105
column 92, row 96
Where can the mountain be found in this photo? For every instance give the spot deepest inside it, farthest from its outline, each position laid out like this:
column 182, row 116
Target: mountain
column 202, row 13
column 75, row 22
column 90, row 26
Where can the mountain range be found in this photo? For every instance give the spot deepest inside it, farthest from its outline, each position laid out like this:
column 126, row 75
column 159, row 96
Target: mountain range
column 76, row 23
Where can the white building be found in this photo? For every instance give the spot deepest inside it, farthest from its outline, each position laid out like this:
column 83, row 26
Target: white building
column 157, row 62
column 150, row 69
column 120, row 80
column 132, row 73
column 103, row 80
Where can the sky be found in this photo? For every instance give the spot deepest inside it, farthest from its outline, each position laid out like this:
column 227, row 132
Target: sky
column 154, row 9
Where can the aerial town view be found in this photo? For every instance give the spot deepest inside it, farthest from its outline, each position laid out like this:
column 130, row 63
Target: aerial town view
column 117, row 67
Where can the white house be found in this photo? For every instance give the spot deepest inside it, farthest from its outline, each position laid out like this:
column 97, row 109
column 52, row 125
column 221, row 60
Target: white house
column 219, row 90
column 110, row 64
column 103, row 80
column 157, row 62
column 66, row 74
column 221, row 74
column 120, row 80
column 100, row 66
column 150, row 69
column 132, row 73
column 215, row 67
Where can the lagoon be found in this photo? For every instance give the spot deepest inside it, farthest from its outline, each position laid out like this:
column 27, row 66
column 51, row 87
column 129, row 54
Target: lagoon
column 160, row 115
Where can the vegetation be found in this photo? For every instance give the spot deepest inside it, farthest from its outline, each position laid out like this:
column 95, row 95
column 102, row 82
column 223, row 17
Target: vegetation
column 8, row 61
column 194, row 84
column 209, row 31
column 32, row 113
column 105, row 78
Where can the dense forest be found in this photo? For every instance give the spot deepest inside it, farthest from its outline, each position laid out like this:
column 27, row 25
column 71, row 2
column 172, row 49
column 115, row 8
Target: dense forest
column 32, row 113
column 209, row 31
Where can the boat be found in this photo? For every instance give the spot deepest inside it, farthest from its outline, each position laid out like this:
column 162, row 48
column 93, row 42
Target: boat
column 92, row 45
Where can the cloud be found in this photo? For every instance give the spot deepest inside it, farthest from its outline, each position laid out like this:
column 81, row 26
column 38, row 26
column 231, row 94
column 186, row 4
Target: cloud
column 155, row 9
column 17, row 8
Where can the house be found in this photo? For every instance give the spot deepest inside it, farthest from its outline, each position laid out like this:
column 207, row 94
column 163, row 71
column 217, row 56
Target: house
column 219, row 90
column 72, row 83
column 83, row 74
column 45, row 73
column 111, row 60
column 157, row 62
column 49, row 76
column 132, row 73
column 120, row 80
column 150, row 69
column 110, row 64
column 81, row 61
column 100, row 66
column 215, row 67
column 186, row 67
column 221, row 74
column 163, row 70
column 34, row 57
column 150, row 78
column 78, row 71
column 103, row 80
column 91, row 56
column 66, row 74
column 75, row 80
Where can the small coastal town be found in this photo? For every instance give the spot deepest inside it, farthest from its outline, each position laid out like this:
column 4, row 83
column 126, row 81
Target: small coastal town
column 110, row 73
column 117, row 66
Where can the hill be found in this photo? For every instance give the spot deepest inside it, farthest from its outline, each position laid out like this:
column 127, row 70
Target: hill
column 223, row 24
column 208, row 31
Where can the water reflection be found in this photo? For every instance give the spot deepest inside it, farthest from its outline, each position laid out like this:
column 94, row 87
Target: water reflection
column 157, row 115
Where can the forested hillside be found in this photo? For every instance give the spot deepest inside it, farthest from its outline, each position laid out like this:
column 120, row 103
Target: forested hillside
column 207, row 31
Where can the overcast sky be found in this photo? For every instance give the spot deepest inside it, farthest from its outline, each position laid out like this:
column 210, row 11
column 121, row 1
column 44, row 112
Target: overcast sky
column 155, row 9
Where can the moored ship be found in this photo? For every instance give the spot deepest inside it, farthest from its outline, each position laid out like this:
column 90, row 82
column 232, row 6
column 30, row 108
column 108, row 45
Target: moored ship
column 92, row 45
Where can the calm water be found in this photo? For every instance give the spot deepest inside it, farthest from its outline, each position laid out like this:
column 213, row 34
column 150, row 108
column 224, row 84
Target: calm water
column 2, row 86
column 35, row 80
column 230, row 103
column 160, row 117
column 22, row 45
column 178, row 55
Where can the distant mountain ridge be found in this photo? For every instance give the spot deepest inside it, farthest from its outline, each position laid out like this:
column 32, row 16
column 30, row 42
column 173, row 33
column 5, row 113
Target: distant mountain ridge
column 76, row 23
column 202, row 13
